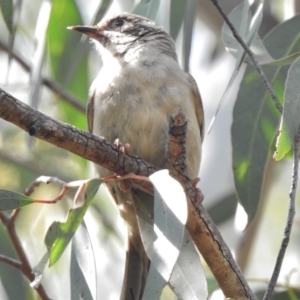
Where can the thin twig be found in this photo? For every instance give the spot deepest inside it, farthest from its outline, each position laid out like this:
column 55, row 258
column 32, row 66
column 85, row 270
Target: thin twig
column 291, row 214
column 25, row 266
column 10, row 261
column 55, row 87
column 250, row 54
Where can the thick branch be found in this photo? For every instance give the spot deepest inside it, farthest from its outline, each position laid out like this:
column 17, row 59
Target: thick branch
column 96, row 149
column 84, row 144
column 200, row 226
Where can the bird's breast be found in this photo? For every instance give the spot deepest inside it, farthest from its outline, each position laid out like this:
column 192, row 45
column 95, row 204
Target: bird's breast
column 136, row 107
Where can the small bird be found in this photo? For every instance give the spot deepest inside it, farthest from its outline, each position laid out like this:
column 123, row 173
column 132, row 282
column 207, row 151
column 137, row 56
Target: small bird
column 138, row 88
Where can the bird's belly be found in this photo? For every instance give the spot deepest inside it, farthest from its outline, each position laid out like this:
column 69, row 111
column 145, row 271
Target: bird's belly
column 141, row 119
column 144, row 129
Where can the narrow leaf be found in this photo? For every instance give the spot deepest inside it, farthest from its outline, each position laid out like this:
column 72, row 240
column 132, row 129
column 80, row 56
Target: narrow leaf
column 183, row 281
column 11, row 200
column 291, row 111
column 188, row 24
column 170, row 215
column 7, row 13
column 250, row 36
column 59, row 234
column 177, row 11
column 38, row 271
column 147, row 8
column 101, row 11
column 255, row 119
column 83, row 269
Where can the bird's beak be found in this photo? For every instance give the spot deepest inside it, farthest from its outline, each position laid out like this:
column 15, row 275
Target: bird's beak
column 93, row 32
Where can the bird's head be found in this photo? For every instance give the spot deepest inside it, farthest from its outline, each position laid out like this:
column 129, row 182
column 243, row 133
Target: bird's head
column 128, row 32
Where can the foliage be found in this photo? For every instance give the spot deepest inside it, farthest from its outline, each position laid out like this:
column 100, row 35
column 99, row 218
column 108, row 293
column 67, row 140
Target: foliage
column 71, row 63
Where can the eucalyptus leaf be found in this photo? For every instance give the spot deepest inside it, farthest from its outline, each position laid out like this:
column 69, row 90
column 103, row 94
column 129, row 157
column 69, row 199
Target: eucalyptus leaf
column 251, row 38
column 177, row 12
column 10, row 200
column 147, row 8
column 183, row 281
column 291, row 111
column 188, row 24
column 255, row 118
column 170, row 215
column 7, row 13
column 59, row 234
column 67, row 67
column 83, row 268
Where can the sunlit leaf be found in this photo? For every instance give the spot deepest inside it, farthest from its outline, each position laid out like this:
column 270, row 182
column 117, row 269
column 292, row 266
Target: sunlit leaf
column 83, row 269
column 183, row 281
column 59, row 234
column 250, row 35
column 247, row 27
column 11, row 200
column 170, row 215
column 255, row 118
column 291, row 111
column 38, row 271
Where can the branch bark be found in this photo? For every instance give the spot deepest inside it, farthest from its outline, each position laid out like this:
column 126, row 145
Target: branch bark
column 96, row 149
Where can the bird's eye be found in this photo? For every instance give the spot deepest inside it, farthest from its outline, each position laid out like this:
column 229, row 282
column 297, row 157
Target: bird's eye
column 119, row 22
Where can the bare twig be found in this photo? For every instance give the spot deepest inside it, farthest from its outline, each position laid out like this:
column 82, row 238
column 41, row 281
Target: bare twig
column 291, row 214
column 10, row 261
column 250, row 54
column 25, row 266
column 55, row 87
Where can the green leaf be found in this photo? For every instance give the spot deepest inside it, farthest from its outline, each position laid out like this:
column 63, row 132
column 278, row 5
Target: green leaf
column 255, row 118
column 7, row 13
column 291, row 111
column 177, row 11
column 11, row 200
column 59, row 234
column 68, row 68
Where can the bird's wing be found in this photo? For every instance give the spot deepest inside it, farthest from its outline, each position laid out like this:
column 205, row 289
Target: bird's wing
column 90, row 112
column 197, row 104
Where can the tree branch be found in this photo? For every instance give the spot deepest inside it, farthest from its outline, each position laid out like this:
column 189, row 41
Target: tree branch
column 24, row 267
column 203, row 231
column 10, row 261
column 96, row 149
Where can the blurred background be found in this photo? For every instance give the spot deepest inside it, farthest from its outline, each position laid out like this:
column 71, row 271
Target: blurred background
column 51, row 69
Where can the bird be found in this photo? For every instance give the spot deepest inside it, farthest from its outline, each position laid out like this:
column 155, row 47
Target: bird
column 140, row 85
